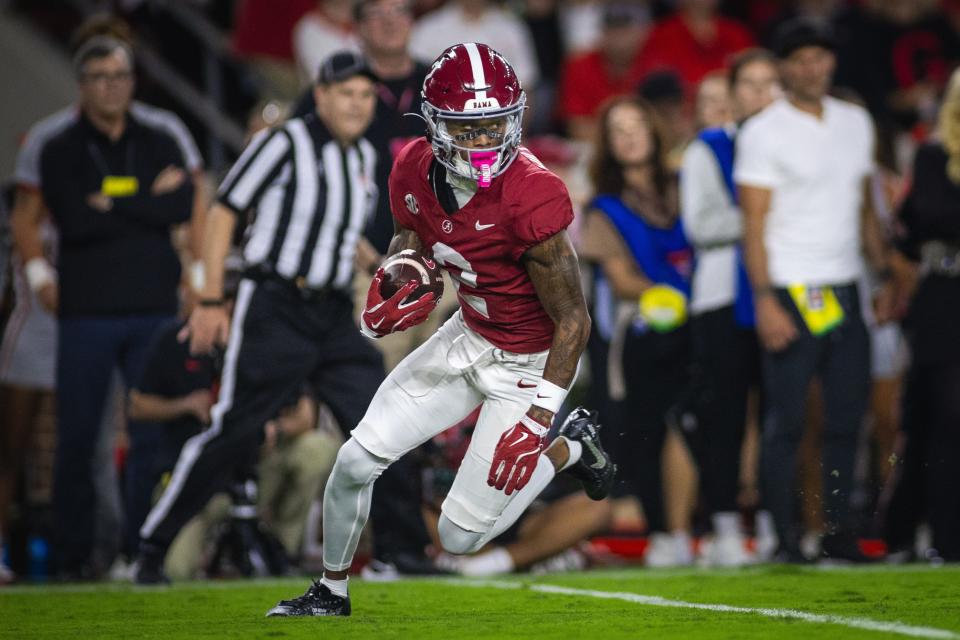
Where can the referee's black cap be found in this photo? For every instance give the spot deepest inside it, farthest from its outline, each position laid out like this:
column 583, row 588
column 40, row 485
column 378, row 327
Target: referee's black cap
column 343, row 65
column 801, row 32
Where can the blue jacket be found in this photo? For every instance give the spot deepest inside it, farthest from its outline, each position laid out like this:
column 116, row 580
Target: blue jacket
column 664, row 256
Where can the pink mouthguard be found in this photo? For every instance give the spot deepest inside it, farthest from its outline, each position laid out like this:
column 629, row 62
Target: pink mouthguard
column 481, row 161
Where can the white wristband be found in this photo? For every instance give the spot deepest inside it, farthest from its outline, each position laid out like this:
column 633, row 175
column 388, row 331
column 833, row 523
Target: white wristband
column 549, row 396
column 535, row 427
column 198, row 275
column 39, row 273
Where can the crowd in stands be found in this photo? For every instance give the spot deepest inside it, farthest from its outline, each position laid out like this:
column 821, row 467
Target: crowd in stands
column 749, row 387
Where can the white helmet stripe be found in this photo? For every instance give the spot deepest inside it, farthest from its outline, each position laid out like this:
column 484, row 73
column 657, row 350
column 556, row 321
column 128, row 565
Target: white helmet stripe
column 476, row 64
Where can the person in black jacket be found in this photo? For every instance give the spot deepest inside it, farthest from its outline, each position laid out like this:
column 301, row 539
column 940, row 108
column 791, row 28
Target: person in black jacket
column 930, row 222
column 115, row 186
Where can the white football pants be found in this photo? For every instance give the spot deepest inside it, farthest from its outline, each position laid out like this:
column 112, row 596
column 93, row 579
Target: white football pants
column 432, row 389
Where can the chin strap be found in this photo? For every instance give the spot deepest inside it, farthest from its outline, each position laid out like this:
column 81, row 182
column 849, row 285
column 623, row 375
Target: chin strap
column 482, row 161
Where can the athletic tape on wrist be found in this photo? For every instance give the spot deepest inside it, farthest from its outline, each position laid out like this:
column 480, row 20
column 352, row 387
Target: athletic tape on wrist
column 549, row 396
column 39, row 273
column 367, row 331
column 534, row 426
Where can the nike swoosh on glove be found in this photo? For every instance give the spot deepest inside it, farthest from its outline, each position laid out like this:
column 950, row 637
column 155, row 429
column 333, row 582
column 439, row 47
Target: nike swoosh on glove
column 516, row 454
column 381, row 317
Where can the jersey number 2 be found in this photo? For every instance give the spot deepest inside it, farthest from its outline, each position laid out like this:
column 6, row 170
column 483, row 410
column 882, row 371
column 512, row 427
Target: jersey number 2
column 462, row 273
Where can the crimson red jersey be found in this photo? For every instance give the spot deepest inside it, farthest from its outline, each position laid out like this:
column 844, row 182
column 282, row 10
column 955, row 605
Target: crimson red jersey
column 480, row 245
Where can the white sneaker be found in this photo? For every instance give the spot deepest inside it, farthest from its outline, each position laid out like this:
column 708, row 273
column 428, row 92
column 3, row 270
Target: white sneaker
column 567, row 560
column 449, row 562
column 810, row 544
column 766, row 537
column 666, row 550
column 121, row 571
column 727, row 551
column 377, row 571
column 7, row 576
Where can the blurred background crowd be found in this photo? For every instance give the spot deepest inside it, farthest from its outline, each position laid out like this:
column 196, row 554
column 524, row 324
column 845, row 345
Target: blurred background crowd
column 605, row 79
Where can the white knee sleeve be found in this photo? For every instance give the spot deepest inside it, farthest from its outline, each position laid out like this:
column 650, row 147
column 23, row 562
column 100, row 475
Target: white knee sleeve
column 456, row 539
column 357, row 466
column 346, row 502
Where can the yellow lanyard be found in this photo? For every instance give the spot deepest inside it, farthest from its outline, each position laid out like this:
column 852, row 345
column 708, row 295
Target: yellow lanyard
column 818, row 306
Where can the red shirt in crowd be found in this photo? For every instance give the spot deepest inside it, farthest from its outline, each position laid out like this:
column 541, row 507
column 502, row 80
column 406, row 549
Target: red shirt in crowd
column 264, row 27
column 673, row 46
column 586, row 83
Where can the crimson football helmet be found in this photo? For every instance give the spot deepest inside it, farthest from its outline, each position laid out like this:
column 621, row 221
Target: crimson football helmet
column 472, row 82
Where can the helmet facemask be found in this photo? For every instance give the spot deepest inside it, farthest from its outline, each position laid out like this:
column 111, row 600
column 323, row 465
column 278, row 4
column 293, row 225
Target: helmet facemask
column 451, row 132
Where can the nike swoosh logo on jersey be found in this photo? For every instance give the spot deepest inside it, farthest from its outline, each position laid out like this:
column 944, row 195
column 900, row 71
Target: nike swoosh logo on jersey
column 481, row 227
column 521, row 384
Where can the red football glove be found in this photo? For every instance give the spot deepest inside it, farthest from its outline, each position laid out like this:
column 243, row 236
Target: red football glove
column 381, row 317
column 516, row 454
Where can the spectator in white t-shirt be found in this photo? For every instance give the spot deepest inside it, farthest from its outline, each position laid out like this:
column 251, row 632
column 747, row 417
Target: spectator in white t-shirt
column 477, row 21
column 802, row 170
column 326, row 29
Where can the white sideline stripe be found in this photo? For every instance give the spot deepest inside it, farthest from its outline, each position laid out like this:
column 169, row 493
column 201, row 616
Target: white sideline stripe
column 657, row 601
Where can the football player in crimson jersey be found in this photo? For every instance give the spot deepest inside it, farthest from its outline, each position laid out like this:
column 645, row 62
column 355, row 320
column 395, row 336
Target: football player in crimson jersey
column 486, row 210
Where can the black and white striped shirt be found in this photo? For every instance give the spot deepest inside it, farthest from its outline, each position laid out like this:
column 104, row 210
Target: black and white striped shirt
column 312, row 199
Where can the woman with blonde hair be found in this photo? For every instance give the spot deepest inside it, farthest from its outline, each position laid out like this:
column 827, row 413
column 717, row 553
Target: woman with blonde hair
column 930, row 237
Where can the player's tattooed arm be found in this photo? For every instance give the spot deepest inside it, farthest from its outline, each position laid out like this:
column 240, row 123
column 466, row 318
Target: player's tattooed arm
column 555, row 271
column 403, row 239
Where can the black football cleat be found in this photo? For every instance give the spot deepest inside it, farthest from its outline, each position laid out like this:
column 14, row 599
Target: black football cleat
column 317, row 601
column 842, row 547
column 148, row 568
column 595, row 469
column 148, row 573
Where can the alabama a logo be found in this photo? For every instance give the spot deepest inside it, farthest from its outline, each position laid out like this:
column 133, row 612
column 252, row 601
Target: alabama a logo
column 412, row 205
column 447, row 226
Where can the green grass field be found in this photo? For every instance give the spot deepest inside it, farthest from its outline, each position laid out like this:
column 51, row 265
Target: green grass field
column 762, row 602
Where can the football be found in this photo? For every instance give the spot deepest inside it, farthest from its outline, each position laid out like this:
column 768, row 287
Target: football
column 410, row 265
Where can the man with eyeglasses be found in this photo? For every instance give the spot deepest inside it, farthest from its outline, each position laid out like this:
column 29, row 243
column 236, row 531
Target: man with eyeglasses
column 115, row 185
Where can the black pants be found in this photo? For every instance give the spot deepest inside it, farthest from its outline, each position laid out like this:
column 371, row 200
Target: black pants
column 726, row 364
column 927, row 476
column 841, row 358
column 655, row 370
column 90, row 349
column 278, row 343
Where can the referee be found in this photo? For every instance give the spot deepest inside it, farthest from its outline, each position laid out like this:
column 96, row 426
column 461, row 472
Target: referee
column 310, row 184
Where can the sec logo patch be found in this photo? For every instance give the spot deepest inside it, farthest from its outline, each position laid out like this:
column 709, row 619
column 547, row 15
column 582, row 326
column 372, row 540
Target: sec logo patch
column 412, row 205
column 447, row 226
